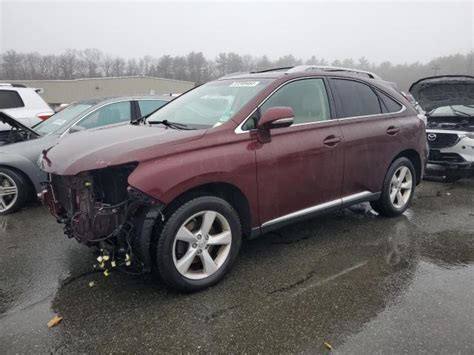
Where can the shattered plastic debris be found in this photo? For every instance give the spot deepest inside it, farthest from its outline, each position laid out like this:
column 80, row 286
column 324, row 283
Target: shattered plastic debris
column 327, row 345
column 106, row 272
column 55, row 321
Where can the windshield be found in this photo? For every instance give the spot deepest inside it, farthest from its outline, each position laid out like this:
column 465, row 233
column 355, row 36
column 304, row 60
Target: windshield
column 454, row 110
column 62, row 119
column 211, row 104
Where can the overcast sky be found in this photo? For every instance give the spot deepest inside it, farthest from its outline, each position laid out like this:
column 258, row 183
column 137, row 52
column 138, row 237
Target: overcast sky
column 395, row 31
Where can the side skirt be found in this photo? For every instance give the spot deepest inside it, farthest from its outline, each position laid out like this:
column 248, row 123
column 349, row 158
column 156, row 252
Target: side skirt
column 314, row 211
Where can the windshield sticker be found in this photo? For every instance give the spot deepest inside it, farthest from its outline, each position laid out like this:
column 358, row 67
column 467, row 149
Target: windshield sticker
column 244, row 84
column 59, row 122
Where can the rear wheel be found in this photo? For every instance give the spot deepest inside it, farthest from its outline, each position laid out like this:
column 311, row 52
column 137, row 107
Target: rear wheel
column 198, row 244
column 397, row 190
column 13, row 191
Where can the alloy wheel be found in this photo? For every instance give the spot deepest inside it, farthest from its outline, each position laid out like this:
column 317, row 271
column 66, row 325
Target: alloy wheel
column 401, row 187
column 202, row 245
column 8, row 192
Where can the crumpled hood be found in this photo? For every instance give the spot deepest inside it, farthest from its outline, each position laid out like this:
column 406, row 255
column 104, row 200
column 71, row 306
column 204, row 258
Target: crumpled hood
column 439, row 91
column 100, row 148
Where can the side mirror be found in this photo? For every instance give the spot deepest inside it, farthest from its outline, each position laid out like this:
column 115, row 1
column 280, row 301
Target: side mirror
column 276, row 117
column 76, row 128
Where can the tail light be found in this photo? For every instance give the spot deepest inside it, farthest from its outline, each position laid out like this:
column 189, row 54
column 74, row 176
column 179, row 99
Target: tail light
column 44, row 116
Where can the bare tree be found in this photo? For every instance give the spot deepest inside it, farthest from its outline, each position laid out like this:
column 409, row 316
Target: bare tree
column 92, row 60
column 195, row 67
column 118, row 67
column 107, row 64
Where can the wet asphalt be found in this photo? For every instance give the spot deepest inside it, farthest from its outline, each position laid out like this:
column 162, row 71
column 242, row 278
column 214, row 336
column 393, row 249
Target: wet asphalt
column 362, row 283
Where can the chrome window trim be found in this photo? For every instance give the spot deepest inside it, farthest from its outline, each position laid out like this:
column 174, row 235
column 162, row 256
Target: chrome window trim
column 320, row 207
column 239, row 130
column 378, row 114
column 91, row 112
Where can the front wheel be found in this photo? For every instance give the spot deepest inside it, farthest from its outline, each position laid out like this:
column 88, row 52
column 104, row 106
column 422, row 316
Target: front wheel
column 397, row 189
column 198, row 244
column 13, row 191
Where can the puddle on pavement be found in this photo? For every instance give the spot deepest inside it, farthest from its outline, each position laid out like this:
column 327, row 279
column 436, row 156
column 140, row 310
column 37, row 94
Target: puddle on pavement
column 334, row 278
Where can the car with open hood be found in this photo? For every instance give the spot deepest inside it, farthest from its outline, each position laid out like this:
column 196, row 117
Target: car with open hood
column 20, row 146
column 24, row 104
column 448, row 102
column 233, row 159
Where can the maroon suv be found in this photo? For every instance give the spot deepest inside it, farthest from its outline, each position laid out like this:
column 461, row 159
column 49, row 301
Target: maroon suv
column 233, row 159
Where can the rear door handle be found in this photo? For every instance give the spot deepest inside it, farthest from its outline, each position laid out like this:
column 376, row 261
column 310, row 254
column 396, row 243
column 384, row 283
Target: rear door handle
column 331, row 140
column 392, row 130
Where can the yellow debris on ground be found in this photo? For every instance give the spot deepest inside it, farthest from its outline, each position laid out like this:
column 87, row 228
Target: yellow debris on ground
column 55, row 321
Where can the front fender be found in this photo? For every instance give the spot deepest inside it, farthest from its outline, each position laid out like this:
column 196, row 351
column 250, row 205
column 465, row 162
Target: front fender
column 26, row 166
column 168, row 177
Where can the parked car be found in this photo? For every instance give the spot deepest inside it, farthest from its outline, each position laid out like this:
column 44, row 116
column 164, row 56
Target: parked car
column 448, row 102
column 233, row 159
column 20, row 147
column 23, row 104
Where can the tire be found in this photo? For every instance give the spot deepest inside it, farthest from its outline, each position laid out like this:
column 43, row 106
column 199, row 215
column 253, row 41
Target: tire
column 183, row 263
column 14, row 191
column 388, row 206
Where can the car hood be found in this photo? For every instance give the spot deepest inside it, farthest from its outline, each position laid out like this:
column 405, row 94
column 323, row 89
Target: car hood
column 10, row 121
column 439, row 91
column 100, row 148
column 30, row 147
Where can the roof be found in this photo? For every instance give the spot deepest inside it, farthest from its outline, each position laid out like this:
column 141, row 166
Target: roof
column 279, row 72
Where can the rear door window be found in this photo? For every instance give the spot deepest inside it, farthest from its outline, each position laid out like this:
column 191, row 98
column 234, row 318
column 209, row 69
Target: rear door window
column 148, row 106
column 354, row 99
column 10, row 99
column 118, row 112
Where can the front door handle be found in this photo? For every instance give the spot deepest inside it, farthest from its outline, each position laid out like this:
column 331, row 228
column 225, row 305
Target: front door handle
column 392, row 130
column 331, row 140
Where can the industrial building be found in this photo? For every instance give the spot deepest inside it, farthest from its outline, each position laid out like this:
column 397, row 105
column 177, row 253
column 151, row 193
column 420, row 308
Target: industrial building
column 56, row 92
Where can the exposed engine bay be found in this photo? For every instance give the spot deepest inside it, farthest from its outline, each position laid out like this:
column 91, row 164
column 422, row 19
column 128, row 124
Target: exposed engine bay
column 453, row 123
column 14, row 131
column 98, row 208
column 14, row 135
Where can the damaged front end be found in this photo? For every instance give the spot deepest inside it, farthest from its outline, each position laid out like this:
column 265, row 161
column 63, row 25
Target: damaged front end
column 99, row 208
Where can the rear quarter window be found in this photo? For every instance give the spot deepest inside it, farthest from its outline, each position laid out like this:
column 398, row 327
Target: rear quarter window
column 389, row 105
column 10, row 99
column 355, row 99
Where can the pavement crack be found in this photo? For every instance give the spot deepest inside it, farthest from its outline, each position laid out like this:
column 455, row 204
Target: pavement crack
column 219, row 313
column 294, row 284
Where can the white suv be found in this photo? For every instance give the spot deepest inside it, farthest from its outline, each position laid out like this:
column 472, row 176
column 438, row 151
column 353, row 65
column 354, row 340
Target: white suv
column 449, row 104
column 23, row 104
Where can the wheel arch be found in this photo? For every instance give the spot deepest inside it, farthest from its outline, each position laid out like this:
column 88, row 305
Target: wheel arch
column 20, row 172
column 229, row 192
column 414, row 157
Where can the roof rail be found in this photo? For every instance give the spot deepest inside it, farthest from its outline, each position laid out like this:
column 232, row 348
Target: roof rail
column 233, row 74
column 13, row 85
column 271, row 69
column 300, row 68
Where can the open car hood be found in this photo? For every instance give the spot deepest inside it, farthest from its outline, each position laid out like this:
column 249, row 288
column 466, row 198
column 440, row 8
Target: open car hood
column 439, row 91
column 4, row 118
